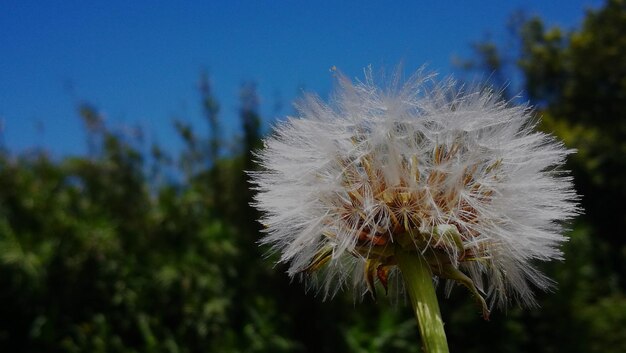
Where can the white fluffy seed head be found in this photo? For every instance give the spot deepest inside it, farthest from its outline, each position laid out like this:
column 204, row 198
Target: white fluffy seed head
column 345, row 182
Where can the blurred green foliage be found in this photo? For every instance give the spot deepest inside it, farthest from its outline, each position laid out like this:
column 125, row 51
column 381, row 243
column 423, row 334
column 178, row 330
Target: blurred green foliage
column 125, row 250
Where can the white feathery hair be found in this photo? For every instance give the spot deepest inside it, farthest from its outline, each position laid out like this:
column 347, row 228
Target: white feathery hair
column 346, row 178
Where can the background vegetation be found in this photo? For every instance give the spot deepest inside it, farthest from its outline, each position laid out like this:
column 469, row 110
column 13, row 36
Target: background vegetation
column 125, row 250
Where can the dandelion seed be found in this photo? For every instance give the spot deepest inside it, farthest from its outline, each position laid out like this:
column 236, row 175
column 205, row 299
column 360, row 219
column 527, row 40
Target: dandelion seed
column 457, row 176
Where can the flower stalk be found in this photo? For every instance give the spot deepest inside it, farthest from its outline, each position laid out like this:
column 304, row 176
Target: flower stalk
column 419, row 284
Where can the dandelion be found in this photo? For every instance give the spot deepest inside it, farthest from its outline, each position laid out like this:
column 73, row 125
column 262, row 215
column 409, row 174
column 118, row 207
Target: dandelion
column 412, row 182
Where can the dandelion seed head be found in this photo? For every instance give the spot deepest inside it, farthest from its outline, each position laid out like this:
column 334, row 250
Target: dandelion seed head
column 457, row 174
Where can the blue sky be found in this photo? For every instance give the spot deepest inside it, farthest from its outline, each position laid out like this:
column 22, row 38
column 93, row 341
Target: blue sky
column 139, row 61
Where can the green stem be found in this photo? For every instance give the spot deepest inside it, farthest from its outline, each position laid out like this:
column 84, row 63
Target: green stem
column 418, row 282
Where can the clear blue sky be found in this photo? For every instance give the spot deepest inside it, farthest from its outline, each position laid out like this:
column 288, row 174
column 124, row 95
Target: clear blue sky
column 139, row 61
